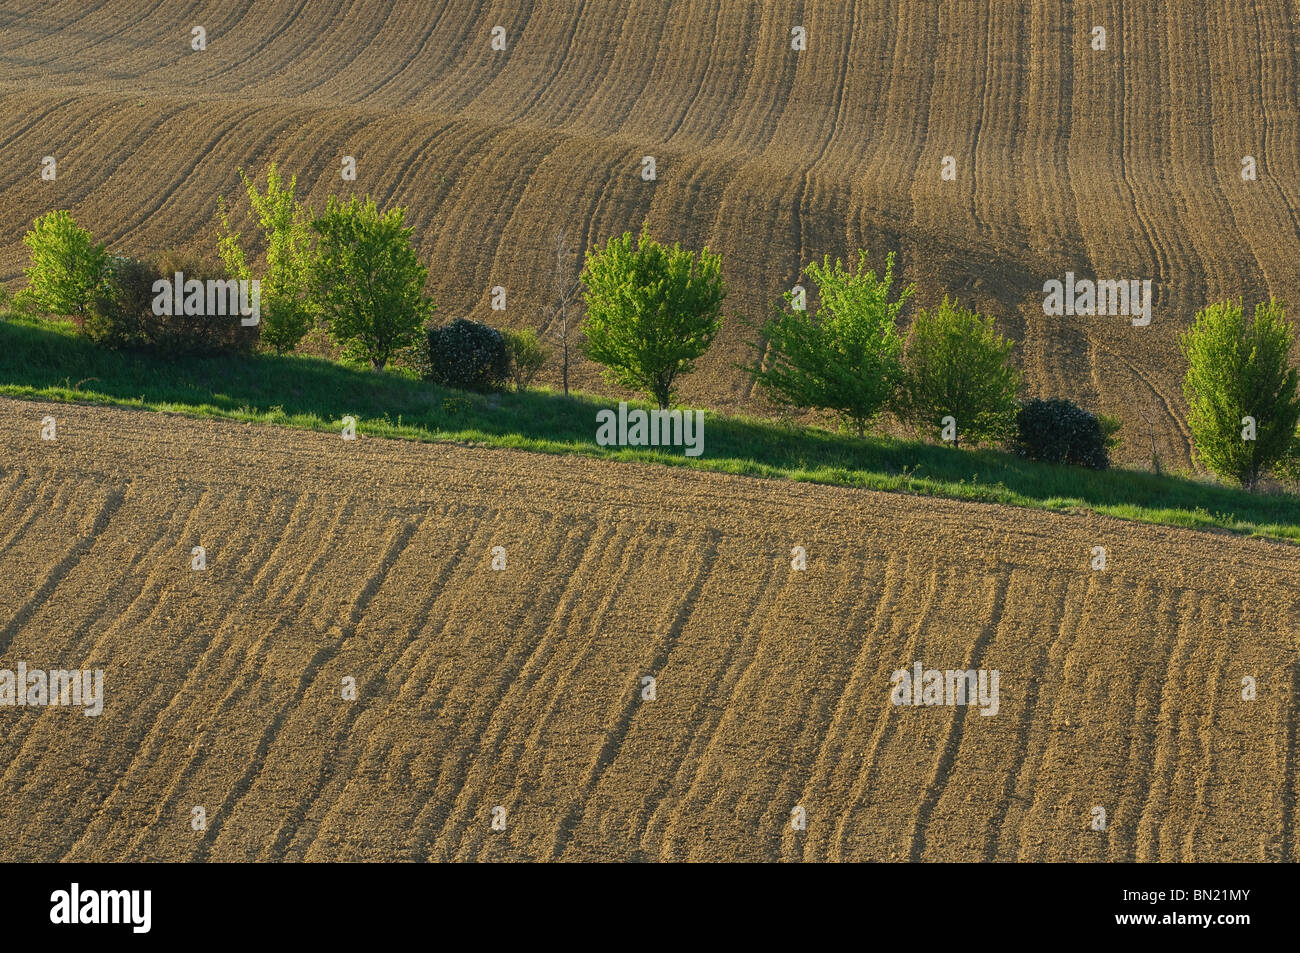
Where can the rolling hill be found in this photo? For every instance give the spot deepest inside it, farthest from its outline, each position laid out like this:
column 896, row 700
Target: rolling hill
column 1122, row 163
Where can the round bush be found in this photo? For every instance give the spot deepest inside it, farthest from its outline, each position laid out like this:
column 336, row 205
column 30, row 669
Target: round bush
column 1060, row 431
column 466, row 355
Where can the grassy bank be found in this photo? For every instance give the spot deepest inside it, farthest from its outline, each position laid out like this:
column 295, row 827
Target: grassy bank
column 46, row 360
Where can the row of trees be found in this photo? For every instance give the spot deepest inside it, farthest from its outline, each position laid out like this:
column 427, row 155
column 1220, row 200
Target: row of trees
column 653, row 310
column 849, row 357
column 351, row 270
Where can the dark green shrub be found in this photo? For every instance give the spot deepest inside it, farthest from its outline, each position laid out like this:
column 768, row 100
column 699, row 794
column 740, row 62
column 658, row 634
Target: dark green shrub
column 1059, row 431
column 466, row 355
column 123, row 312
column 1287, row 469
column 121, row 307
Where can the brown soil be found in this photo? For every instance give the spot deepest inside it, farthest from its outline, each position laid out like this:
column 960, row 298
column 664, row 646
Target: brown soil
column 521, row 688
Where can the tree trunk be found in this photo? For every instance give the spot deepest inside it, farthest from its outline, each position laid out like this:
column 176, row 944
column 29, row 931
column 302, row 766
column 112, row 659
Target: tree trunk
column 564, row 331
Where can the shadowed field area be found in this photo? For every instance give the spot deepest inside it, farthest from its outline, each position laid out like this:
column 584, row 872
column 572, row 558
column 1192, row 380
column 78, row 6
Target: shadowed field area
column 47, row 360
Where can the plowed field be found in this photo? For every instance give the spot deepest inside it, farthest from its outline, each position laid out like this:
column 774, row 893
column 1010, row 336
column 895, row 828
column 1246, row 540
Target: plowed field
column 522, row 688
column 1122, row 163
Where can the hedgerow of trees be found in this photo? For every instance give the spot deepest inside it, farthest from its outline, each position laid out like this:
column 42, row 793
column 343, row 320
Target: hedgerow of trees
column 652, row 311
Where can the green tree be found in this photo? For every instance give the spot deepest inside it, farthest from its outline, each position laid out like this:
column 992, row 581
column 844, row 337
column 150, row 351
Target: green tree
column 288, row 310
column 1238, row 370
column 846, row 357
column 369, row 281
column 68, row 267
column 651, row 311
column 956, row 364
